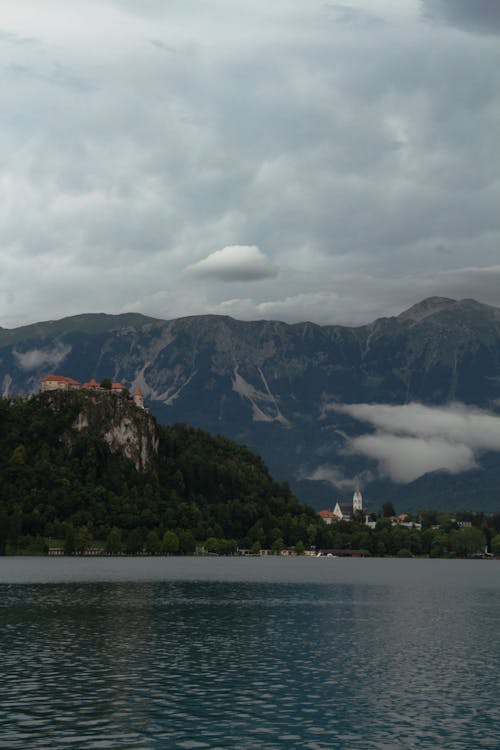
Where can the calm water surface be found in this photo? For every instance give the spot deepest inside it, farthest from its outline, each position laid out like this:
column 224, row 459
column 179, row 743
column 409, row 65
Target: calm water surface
column 249, row 653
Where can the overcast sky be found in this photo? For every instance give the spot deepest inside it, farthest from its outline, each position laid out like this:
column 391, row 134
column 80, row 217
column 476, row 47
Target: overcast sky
column 296, row 160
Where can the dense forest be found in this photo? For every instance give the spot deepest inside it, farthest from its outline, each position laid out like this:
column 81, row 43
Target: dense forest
column 57, row 483
column 61, row 486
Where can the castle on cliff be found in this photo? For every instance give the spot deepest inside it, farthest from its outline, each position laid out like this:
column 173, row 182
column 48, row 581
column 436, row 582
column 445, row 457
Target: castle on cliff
column 63, row 383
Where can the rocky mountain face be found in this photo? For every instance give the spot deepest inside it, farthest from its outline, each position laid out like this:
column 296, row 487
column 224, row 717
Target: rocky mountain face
column 277, row 387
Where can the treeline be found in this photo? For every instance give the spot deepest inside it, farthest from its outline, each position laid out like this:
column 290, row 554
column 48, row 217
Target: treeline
column 441, row 535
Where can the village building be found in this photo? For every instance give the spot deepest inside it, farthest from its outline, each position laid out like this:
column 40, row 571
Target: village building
column 328, row 516
column 403, row 520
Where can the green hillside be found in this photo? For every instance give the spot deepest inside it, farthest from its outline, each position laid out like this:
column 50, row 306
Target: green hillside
column 60, row 483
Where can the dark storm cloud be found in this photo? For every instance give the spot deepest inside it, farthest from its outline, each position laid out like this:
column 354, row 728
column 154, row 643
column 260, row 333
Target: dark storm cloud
column 470, row 15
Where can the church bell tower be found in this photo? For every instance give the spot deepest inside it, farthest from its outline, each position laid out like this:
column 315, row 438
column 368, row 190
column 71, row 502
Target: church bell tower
column 357, row 501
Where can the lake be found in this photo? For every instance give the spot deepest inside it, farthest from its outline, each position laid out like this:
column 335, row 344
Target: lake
column 166, row 652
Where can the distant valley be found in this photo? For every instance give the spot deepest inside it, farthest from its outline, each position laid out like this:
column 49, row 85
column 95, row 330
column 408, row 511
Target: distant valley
column 327, row 407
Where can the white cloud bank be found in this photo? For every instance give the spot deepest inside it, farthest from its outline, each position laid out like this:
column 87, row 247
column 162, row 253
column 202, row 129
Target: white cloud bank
column 35, row 358
column 413, row 439
column 235, row 263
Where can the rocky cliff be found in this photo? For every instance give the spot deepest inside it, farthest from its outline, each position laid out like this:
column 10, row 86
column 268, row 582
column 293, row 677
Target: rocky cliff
column 123, row 427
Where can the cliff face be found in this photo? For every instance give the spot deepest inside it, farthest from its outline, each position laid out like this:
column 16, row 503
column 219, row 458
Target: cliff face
column 125, row 428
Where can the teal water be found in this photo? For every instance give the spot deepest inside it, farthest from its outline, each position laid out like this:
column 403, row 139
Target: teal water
column 221, row 653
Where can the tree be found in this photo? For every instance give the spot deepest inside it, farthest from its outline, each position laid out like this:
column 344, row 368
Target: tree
column 152, row 545
column 495, row 545
column 170, row 543
column 106, row 383
column 467, row 541
column 83, row 539
column 278, row 545
column 114, row 542
column 404, row 552
column 187, row 543
column 212, row 545
column 70, row 540
column 388, row 510
column 299, row 547
column 135, row 542
column 18, row 457
column 256, row 548
column 4, row 530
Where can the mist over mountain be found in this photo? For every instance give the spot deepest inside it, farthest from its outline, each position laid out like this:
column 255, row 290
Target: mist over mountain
column 408, row 406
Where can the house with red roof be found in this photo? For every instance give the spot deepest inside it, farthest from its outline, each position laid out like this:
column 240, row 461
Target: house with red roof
column 328, row 516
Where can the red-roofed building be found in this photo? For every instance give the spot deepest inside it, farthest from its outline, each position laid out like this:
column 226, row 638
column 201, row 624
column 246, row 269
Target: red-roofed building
column 59, row 383
column 92, row 385
column 328, row 516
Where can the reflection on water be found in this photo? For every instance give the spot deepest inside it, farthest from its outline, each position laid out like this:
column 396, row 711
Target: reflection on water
column 214, row 664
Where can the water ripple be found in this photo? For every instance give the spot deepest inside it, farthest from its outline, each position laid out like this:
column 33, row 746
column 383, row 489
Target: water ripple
column 170, row 664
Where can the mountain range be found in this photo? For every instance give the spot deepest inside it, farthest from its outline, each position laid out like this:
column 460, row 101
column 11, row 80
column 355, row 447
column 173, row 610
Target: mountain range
column 328, row 407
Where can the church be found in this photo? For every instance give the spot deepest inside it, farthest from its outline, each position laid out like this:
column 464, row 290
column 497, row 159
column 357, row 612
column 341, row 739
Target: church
column 343, row 511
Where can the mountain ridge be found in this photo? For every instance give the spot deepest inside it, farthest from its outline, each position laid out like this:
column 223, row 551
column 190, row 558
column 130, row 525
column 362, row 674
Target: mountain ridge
column 273, row 385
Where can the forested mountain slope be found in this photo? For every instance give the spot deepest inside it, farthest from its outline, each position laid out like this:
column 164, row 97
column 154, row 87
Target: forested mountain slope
column 58, row 470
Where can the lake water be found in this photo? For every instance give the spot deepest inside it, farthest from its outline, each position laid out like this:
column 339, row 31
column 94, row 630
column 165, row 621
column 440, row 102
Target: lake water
column 191, row 653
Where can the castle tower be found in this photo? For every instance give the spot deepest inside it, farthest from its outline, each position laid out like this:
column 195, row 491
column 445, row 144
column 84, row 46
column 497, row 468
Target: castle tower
column 357, row 501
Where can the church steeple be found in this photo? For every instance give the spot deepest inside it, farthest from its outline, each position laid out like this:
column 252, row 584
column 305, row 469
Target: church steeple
column 357, row 501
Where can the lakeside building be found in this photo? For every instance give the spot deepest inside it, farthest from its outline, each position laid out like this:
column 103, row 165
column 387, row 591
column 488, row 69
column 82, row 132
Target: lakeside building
column 402, row 520
column 63, row 383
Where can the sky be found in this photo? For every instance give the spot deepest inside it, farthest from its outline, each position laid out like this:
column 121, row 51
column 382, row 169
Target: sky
column 294, row 160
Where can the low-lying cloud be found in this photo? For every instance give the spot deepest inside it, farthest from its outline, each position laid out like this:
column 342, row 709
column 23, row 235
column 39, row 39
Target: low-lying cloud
column 235, row 263
column 412, row 440
column 33, row 359
column 335, row 476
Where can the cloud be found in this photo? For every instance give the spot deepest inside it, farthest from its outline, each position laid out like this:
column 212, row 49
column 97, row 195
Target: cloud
column 348, row 14
column 356, row 299
column 335, row 476
column 235, row 263
column 33, row 359
column 413, row 439
column 469, row 15
column 355, row 152
column 404, row 459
